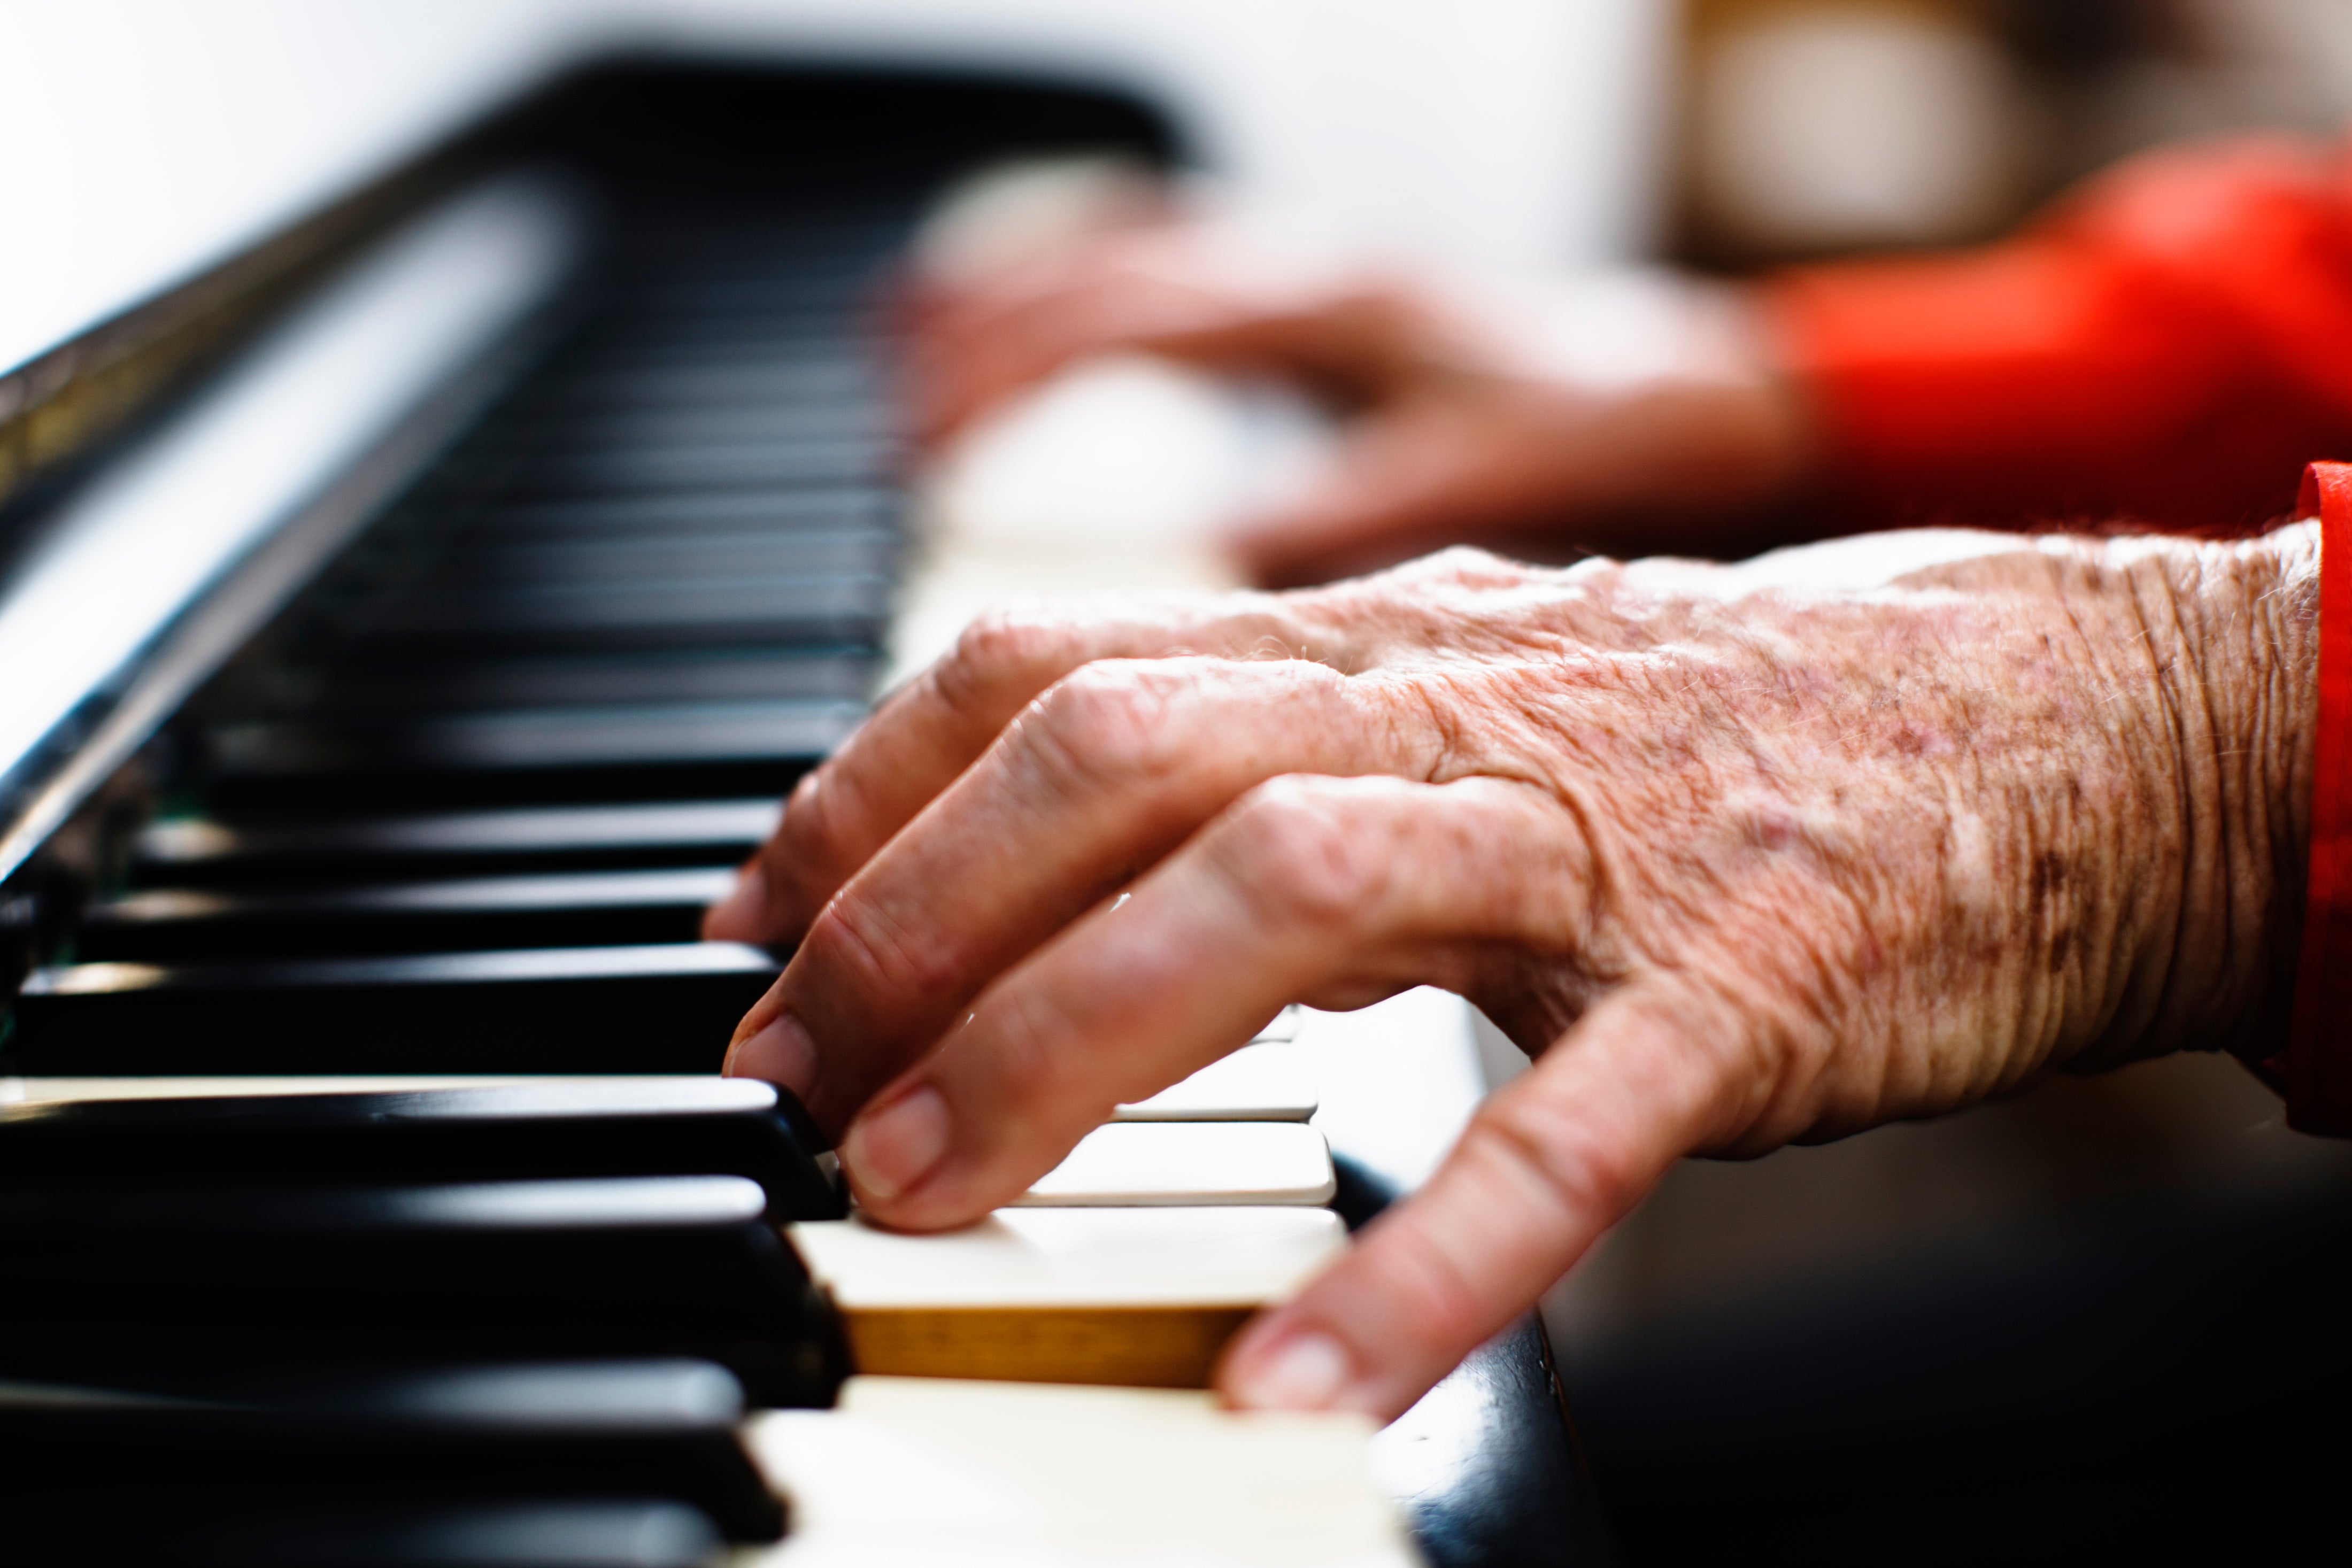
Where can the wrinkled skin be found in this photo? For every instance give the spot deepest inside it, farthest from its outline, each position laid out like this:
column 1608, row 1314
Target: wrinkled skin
column 1738, row 865
column 1479, row 408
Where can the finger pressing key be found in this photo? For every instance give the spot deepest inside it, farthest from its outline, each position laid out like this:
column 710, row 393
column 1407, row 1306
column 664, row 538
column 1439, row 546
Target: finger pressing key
column 1550, row 1163
column 1116, row 766
column 1306, row 883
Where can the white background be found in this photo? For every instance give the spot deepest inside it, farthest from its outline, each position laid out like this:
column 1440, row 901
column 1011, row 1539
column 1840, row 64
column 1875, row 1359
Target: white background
column 143, row 139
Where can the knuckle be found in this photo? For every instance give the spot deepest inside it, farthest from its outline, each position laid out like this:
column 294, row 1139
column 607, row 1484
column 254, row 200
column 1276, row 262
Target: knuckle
column 1555, row 1154
column 1001, row 652
column 1465, row 566
column 819, row 820
column 1312, row 849
column 1115, row 723
column 856, row 941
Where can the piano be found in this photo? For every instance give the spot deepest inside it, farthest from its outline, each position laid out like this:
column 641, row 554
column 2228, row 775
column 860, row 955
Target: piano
column 532, row 518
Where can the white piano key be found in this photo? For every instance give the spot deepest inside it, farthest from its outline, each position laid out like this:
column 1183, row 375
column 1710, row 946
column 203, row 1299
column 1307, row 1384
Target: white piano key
column 1075, row 1258
column 924, row 1472
column 1283, row 1026
column 1270, row 1082
column 1137, row 1297
column 1146, row 1164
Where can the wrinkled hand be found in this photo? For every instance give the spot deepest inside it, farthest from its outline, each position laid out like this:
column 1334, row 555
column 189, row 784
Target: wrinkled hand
column 1738, row 865
column 1608, row 414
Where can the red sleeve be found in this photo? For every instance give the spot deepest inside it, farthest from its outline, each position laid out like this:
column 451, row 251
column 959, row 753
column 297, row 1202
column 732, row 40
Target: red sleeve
column 2169, row 345
column 2315, row 1069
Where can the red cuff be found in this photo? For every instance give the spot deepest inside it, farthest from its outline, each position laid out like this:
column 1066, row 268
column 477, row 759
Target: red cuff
column 2165, row 346
column 2315, row 1069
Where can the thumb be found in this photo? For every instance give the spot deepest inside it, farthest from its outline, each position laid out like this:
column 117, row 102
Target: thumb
column 1548, row 1164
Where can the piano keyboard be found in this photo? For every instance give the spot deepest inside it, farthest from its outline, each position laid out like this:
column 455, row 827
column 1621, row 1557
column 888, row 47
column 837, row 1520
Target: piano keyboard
column 365, row 1178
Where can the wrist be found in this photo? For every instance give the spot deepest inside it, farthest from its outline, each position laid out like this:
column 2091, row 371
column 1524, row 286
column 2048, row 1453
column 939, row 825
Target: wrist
column 2234, row 629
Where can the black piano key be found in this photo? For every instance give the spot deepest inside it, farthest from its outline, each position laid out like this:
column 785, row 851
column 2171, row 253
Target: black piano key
column 699, row 676
column 689, row 1126
column 793, row 731
column 571, row 909
column 778, row 512
column 776, row 325
column 666, row 1009
column 550, row 756
column 664, row 556
column 619, row 1267
column 688, row 384
column 811, row 607
column 708, row 422
column 844, row 344
column 770, row 277
column 325, row 1446
column 226, row 1531
column 624, row 468
column 201, row 852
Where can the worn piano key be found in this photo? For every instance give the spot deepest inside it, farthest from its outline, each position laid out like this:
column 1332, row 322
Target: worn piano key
column 1141, row 1297
column 548, row 756
column 1190, row 1162
column 564, row 1129
column 574, row 909
column 661, row 1008
column 1270, row 1080
column 1019, row 1473
column 617, row 1267
column 204, row 1446
column 203, row 852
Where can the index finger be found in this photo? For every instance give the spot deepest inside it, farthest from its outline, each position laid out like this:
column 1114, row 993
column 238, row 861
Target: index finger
column 928, row 732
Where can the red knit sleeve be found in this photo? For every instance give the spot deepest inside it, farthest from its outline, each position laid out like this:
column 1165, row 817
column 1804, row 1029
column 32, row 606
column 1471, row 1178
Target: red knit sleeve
column 2315, row 1071
column 2168, row 345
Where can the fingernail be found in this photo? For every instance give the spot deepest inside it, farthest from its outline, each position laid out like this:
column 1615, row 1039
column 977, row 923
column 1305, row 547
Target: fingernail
column 892, row 1148
column 1304, row 1372
column 742, row 915
column 782, row 1053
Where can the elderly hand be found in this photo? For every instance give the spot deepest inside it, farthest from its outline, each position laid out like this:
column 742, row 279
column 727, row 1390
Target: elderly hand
column 1739, row 864
column 1607, row 414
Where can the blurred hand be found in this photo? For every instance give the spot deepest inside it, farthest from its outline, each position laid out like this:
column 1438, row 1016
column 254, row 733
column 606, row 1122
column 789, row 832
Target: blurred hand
column 1627, row 415
column 1740, row 865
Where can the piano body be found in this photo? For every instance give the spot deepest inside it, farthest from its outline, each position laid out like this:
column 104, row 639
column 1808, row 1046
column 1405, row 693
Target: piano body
column 406, row 623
